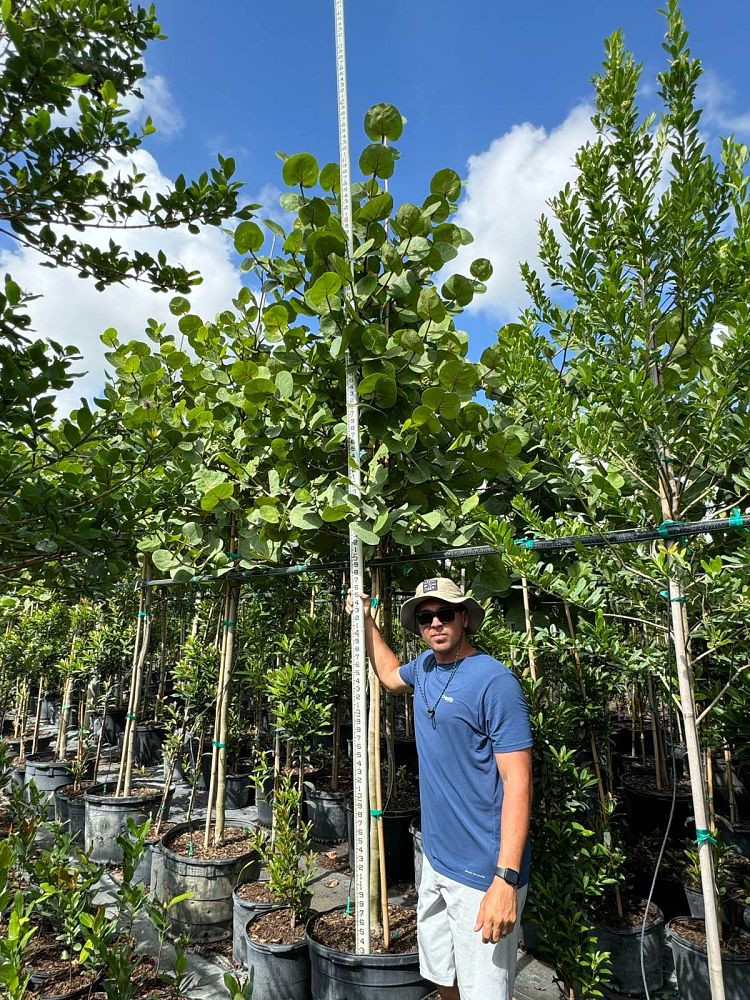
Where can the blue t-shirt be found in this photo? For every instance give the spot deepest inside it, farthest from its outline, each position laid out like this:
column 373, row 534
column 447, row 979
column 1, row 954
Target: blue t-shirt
column 482, row 712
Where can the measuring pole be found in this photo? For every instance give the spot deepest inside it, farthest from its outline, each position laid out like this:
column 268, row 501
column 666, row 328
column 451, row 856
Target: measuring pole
column 356, row 567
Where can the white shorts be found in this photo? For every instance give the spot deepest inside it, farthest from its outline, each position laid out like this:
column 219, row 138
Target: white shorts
column 451, row 951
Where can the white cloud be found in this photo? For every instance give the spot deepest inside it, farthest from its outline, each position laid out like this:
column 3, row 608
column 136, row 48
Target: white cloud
column 506, row 190
column 158, row 103
column 71, row 311
column 716, row 98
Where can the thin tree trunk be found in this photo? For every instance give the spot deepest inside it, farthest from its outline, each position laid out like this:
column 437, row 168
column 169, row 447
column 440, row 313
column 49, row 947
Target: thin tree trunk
column 162, row 666
column 731, row 795
column 98, row 757
column 38, row 716
column 143, row 635
column 659, row 762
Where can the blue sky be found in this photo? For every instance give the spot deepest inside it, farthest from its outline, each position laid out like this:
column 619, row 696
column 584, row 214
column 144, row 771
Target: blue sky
column 495, row 90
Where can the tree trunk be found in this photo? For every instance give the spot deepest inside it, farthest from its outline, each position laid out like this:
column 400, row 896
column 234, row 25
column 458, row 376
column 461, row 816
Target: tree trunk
column 38, row 716
column 140, row 651
column 529, row 628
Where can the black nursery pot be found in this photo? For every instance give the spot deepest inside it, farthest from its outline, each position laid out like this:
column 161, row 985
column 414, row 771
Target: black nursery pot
column 648, row 810
column 340, row 974
column 278, row 971
column 691, row 967
column 399, row 846
column 624, row 946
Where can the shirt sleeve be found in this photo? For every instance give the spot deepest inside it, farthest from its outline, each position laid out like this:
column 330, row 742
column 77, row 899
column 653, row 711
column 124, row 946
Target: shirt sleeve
column 507, row 714
column 407, row 671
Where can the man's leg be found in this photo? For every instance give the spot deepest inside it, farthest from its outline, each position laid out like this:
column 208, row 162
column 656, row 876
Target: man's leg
column 436, row 961
column 482, row 970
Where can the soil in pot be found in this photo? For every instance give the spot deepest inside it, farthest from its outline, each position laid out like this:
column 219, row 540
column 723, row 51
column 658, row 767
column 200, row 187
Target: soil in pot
column 54, row 976
column 277, row 927
column 336, row 930
column 621, row 937
column 687, row 939
column 235, row 844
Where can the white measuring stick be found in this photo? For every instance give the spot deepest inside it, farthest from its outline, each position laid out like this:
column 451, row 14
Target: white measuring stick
column 356, row 567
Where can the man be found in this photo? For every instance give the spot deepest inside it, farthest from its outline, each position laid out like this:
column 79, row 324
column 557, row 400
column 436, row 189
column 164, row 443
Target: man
column 473, row 739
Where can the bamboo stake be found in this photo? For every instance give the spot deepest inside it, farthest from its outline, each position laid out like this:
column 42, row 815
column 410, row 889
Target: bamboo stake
column 217, row 723
column 131, row 691
column 230, row 629
column 529, row 628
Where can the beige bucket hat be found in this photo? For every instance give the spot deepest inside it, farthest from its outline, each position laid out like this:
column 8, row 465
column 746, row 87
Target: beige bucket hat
column 444, row 590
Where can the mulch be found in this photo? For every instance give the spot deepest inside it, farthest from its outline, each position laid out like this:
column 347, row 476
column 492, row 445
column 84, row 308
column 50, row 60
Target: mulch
column 645, row 781
column 70, row 791
column 336, row 930
column 235, row 844
column 694, row 930
column 255, row 892
column 632, row 916
column 279, row 927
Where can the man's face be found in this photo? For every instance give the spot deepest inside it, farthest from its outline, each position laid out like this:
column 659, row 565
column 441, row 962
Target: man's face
column 441, row 637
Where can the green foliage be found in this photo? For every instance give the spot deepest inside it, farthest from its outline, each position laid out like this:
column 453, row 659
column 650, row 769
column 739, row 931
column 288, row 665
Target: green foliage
column 288, row 856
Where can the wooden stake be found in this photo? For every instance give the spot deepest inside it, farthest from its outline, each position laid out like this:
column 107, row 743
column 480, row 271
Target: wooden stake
column 529, row 628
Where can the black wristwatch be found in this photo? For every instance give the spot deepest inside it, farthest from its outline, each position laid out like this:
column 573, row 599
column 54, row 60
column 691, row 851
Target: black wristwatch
column 509, row 875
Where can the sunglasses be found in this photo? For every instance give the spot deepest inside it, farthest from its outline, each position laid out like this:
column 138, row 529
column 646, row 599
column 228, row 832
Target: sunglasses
column 443, row 615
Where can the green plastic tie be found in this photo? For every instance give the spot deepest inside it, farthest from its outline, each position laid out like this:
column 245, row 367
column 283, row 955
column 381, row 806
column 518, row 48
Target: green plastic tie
column 374, row 603
column 674, row 600
column 664, row 527
column 735, row 518
column 348, row 910
column 132, row 717
column 664, row 457
column 229, row 624
column 705, row 837
column 376, row 813
column 234, row 555
column 219, row 746
column 191, row 849
column 527, row 543
column 143, row 614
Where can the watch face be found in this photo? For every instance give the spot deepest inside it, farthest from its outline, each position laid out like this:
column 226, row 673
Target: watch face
column 508, row 874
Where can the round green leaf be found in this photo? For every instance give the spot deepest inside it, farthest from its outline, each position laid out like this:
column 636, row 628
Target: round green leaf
column 377, row 161
column 379, row 207
column 329, row 178
column 248, row 238
column 384, row 121
column 285, row 384
column 458, row 289
column 315, row 213
column 336, row 512
column 447, row 184
column 179, row 305
column 324, row 289
column 481, row 269
column 300, row 170
column 442, row 402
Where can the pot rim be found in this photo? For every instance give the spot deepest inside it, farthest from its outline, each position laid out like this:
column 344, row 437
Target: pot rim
column 726, row 956
column 655, row 925
column 101, row 799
